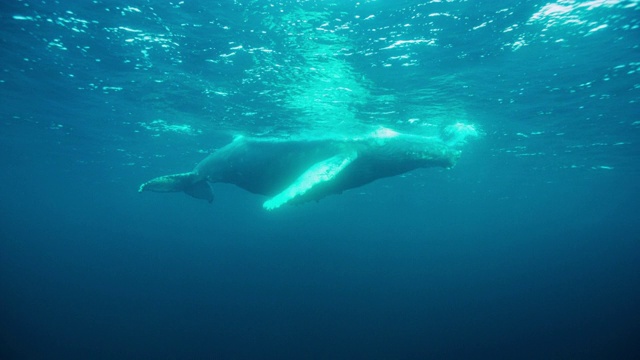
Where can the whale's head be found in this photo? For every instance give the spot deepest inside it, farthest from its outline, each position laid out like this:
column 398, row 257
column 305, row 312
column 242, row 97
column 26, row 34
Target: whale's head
column 429, row 152
column 413, row 151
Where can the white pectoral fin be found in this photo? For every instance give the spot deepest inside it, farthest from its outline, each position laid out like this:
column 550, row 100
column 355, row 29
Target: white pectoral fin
column 318, row 173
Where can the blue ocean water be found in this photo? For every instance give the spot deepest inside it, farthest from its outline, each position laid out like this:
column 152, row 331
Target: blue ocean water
column 528, row 248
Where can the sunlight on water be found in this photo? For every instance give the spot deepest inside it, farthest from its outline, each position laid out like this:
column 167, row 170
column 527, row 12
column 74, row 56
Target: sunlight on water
column 161, row 126
column 571, row 12
column 317, row 79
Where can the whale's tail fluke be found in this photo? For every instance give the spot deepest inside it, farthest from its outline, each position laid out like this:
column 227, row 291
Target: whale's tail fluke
column 190, row 183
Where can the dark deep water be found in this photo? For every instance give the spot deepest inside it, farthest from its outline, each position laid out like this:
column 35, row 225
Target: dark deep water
column 527, row 249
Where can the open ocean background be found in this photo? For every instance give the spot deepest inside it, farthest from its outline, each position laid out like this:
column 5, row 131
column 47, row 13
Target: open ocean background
column 528, row 249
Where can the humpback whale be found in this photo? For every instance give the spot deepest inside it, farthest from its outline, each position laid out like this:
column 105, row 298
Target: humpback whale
column 292, row 171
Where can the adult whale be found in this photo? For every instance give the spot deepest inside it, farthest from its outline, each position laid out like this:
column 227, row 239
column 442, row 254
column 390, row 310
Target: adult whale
column 298, row 170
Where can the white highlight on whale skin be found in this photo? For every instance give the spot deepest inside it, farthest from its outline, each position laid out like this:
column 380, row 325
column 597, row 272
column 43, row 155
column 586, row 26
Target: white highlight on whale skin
column 318, row 173
column 384, row 133
column 457, row 134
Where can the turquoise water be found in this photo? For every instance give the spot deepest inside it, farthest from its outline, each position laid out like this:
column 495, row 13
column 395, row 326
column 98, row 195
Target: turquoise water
column 527, row 248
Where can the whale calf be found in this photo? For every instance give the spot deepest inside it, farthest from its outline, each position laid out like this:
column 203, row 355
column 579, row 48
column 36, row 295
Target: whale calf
column 292, row 171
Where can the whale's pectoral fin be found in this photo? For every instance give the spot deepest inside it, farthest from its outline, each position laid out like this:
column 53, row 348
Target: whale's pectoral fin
column 318, row 173
column 187, row 182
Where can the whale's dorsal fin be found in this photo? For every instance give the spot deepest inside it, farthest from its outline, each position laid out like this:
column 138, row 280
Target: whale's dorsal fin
column 318, row 173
